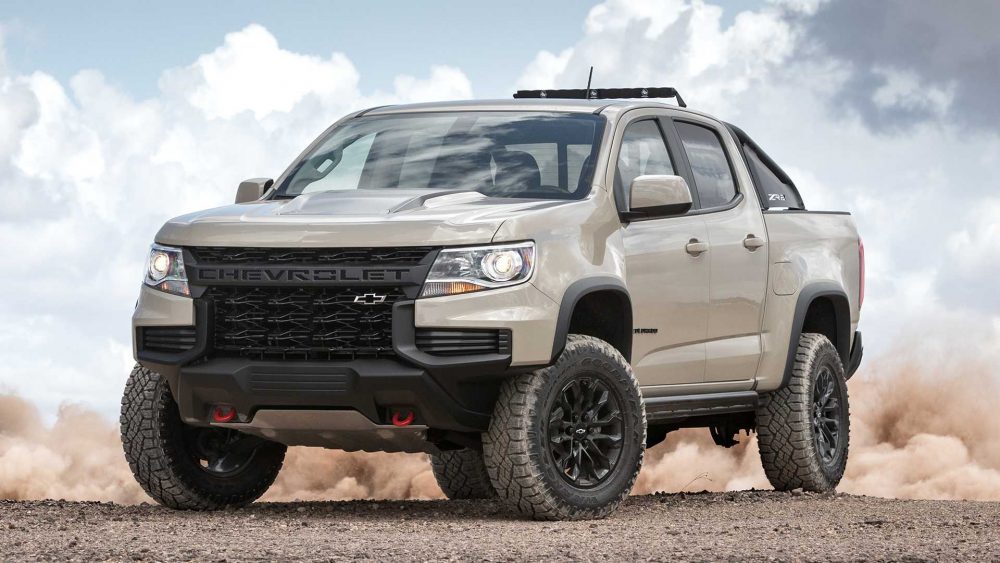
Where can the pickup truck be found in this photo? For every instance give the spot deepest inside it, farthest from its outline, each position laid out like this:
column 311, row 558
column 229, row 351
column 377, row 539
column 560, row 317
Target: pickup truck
column 531, row 291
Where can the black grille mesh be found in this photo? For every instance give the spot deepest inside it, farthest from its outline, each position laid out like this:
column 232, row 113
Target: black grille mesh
column 316, row 256
column 306, row 323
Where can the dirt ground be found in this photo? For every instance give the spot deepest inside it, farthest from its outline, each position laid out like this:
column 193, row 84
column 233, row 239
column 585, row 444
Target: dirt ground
column 750, row 525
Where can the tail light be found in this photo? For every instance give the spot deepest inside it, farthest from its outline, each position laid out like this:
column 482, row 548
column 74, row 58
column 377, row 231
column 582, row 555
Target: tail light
column 861, row 267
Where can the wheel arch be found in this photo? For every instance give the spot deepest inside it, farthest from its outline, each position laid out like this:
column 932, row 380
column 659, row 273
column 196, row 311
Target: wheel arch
column 604, row 302
column 821, row 307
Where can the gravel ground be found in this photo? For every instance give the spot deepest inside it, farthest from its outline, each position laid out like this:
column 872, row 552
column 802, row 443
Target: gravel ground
column 748, row 525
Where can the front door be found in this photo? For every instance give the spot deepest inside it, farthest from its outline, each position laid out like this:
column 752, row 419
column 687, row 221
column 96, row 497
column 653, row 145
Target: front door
column 668, row 284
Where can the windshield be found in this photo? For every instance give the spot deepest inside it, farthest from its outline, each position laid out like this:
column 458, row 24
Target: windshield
column 500, row 154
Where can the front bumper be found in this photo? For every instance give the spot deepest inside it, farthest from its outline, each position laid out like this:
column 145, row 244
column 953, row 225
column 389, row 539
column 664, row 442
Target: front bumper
column 375, row 388
column 445, row 393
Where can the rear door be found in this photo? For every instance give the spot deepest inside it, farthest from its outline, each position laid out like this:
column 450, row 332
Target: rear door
column 668, row 285
column 737, row 254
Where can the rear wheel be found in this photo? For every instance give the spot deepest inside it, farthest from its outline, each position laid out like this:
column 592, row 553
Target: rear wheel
column 566, row 442
column 190, row 467
column 804, row 428
column 461, row 474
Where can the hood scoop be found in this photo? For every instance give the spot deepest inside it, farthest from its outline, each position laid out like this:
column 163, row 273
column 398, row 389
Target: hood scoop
column 374, row 202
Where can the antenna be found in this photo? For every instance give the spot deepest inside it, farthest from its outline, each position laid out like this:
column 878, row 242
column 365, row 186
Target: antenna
column 589, row 77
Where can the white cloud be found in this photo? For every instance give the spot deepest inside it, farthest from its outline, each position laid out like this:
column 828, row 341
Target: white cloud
column 541, row 72
column 250, row 72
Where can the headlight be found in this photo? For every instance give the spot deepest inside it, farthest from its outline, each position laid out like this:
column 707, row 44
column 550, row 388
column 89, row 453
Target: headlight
column 464, row 270
column 165, row 270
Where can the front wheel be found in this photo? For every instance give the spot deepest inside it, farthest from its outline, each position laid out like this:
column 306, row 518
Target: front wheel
column 566, row 442
column 803, row 429
column 189, row 467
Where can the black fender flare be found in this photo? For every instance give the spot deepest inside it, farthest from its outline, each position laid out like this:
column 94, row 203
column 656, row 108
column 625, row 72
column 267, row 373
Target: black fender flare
column 577, row 291
column 842, row 316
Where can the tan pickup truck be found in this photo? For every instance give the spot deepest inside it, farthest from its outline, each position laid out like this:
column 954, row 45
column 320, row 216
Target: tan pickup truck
column 530, row 291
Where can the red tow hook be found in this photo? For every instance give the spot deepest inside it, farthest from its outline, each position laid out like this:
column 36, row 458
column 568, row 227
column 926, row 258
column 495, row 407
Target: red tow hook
column 397, row 420
column 223, row 413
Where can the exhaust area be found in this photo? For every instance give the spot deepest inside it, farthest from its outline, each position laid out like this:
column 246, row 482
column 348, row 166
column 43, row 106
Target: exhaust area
column 916, row 432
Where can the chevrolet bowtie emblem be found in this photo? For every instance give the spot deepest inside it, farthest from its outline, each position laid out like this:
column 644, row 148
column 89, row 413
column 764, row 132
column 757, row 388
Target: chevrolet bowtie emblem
column 370, row 299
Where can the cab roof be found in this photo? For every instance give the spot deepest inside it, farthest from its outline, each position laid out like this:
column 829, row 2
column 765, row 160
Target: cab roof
column 551, row 105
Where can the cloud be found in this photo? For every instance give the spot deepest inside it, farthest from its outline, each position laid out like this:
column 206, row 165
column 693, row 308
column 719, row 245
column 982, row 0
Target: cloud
column 945, row 46
column 89, row 174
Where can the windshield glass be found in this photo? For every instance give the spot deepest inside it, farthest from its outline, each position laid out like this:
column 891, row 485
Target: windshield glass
column 500, row 154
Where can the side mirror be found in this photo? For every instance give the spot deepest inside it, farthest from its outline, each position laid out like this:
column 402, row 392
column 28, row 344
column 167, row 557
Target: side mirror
column 252, row 189
column 658, row 195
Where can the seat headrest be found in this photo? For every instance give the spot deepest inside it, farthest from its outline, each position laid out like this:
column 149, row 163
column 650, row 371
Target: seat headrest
column 517, row 171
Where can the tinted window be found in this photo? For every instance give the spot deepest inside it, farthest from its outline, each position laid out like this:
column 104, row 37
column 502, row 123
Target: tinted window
column 774, row 191
column 501, row 154
column 713, row 177
column 643, row 151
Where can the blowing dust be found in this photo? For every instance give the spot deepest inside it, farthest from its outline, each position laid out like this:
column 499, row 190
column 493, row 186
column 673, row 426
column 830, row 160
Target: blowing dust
column 915, row 433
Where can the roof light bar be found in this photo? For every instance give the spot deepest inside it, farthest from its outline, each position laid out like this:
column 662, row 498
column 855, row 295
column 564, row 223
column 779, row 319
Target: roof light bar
column 602, row 94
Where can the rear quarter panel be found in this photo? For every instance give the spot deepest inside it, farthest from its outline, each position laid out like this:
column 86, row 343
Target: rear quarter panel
column 804, row 248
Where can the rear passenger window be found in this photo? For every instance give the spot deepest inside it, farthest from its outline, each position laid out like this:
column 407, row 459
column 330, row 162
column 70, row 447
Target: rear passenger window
column 643, row 152
column 713, row 177
column 776, row 193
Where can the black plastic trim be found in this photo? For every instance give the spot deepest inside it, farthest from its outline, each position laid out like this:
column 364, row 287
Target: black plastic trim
column 685, row 406
column 404, row 342
column 857, row 351
column 367, row 386
column 806, row 211
column 574, row 293
column 168, row 363
column 842, row 312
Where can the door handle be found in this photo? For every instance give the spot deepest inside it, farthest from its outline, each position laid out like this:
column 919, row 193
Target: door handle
column 695, row 247
column 753, row 242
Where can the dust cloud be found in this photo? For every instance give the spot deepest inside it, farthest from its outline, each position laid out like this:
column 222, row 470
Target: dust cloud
column 915, row 433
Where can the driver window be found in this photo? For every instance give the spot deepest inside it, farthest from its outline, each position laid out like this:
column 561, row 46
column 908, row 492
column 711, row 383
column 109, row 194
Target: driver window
column 343, row 173
column 643, row 151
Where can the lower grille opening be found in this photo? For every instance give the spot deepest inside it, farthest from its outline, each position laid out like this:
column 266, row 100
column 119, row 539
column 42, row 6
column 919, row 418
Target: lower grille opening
column 168, row 338
column 302, row 323
column 463, row 342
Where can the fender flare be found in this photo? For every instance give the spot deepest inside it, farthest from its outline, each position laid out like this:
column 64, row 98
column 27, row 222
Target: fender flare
column 842, row 316
column 577, row 291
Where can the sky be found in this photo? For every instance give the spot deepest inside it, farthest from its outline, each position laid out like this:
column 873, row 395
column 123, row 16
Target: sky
column 114, row 119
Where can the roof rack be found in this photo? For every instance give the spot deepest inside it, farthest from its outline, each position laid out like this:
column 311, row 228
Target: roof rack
column 603, row 94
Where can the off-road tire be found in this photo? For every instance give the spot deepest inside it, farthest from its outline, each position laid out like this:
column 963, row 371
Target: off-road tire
column 514, row 448
column 152, row 440
column 461, row 474
column 785, row 432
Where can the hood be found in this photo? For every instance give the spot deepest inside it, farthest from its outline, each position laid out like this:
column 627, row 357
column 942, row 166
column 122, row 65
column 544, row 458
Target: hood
column 352, row 218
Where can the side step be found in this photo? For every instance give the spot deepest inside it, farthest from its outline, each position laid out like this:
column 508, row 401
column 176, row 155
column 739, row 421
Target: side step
column 684, row 406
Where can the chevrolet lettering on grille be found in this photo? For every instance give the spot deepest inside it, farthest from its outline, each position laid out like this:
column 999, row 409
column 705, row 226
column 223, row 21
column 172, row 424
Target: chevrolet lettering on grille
column 216, row 274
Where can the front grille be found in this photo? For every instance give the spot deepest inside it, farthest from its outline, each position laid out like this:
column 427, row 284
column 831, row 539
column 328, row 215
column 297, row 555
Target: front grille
column 406, row 256
column 461, row 342
column 170, row 339
column 305, row 323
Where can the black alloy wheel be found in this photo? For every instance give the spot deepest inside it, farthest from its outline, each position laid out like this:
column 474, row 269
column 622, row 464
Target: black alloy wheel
column 826, row 415
column 585, row 431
